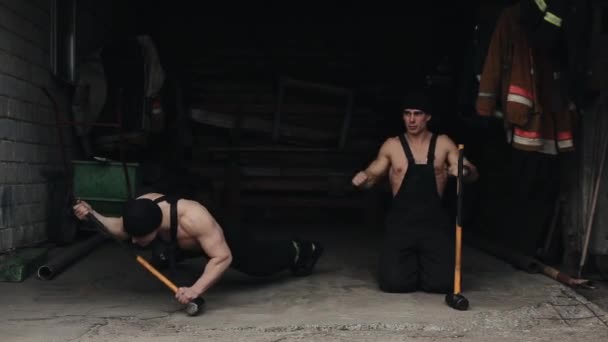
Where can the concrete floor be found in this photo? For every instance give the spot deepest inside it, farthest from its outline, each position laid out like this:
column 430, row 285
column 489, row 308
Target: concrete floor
column 109, row 297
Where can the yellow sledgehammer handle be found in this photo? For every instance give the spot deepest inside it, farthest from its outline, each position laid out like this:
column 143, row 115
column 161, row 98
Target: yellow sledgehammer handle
column 156, row 273
column 457, row 266
column 457, row 280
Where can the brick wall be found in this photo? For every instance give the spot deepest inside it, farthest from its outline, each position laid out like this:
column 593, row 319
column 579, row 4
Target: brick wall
column 29, row 147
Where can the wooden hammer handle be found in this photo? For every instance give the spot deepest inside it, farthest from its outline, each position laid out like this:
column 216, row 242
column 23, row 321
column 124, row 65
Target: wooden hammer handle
column 457, row 278
column 156, row 273
column 458, row 254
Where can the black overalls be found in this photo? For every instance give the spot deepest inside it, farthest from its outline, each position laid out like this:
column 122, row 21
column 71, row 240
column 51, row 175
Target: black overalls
column 418, row 251
column 250, row 255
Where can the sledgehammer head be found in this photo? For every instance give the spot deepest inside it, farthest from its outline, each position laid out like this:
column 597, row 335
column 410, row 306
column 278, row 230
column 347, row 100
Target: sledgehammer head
column 457, row 301
column 195, row 307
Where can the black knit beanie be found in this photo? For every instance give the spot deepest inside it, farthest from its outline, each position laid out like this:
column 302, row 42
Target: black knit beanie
column 141, row 217
column 417, row 100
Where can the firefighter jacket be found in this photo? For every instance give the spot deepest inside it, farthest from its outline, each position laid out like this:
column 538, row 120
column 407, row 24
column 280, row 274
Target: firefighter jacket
column 524, row 83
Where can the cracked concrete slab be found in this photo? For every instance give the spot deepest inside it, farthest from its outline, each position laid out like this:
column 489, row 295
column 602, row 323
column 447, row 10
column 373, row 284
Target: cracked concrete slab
column 109, row 297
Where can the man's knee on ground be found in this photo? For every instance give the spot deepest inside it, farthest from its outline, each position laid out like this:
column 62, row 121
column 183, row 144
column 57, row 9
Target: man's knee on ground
column 438, row 284
column 397, row 285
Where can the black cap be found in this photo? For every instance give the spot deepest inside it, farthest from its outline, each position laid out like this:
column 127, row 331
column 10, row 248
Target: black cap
column 141, row 217
column 418, row 99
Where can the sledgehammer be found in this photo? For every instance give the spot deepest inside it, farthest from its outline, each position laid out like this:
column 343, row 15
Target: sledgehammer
column 192, row 309
column 456, row 300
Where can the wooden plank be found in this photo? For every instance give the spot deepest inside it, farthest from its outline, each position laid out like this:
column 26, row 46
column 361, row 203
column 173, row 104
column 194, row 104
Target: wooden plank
column 287, row 185
column 289, row 82
column 304, row 160
column 229, row 103
column 346, row 122
column 282, row 149
column 213, row 139
column 286, row 81
column 256, row 124
column 219, row 172
column 300, row 201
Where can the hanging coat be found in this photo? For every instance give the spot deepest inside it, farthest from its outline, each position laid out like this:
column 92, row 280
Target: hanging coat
column 525, row 84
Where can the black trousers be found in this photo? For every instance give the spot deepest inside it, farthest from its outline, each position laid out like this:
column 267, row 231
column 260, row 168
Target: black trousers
column 259, row 256
column 251, row 255
column 417, row 259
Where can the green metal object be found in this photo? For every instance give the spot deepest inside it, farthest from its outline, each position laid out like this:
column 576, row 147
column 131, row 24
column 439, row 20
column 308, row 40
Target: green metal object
column 18, row 265
column 103, row 184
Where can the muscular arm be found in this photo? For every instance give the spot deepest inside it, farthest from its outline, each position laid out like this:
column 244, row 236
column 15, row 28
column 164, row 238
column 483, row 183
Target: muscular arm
column 201, row 225
column 112, row 224
column 470, row 173
column 376, row 169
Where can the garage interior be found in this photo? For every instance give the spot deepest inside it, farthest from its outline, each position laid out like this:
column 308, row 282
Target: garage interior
column 265, row 118
column 264, row 113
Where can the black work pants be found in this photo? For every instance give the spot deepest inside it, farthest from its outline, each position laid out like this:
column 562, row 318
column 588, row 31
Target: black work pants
column 259, row 256
column 251, row 255
column 417, row 259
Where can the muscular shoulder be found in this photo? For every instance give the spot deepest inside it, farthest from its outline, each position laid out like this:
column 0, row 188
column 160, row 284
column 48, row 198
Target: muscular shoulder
column 194, row 218
column 150, row 195
column 390, row 144
column 444, row 142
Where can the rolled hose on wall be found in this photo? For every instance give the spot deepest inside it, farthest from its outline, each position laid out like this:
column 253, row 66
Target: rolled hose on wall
column 49, row 270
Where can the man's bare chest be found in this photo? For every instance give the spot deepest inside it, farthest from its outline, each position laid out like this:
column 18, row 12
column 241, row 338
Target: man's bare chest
column 400, row 164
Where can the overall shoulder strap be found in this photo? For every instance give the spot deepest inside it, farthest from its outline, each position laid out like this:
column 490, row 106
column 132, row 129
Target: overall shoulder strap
column 161, row 199
column 173, row 221
column 406, row 148
column 173, row 227
column 431, row 156
column 173, row 213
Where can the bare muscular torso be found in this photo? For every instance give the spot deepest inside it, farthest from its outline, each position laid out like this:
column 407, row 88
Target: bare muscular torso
column 399, row 163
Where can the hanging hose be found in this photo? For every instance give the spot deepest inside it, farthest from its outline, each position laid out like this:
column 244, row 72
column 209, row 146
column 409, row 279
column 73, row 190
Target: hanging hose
column 66, row 204
column 122, row 146
column 58, row 264
column 51, row 269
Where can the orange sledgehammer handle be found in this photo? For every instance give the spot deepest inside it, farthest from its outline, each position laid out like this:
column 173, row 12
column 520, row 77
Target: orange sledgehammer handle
column 457, row 266
column 457, row 279
column 157, row 274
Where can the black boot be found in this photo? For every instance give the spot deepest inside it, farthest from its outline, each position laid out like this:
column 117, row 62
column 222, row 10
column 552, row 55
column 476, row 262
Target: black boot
column 309, row 253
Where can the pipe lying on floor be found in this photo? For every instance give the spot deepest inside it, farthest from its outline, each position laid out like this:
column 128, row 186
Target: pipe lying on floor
column 528, row 264
column 566, row 279
column 66, row 258
column 516, row 259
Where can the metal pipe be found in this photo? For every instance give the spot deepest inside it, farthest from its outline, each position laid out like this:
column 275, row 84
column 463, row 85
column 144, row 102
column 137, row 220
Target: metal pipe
column 62, row 261
column 565, row 278
column 529, row 264
column 516, row 259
